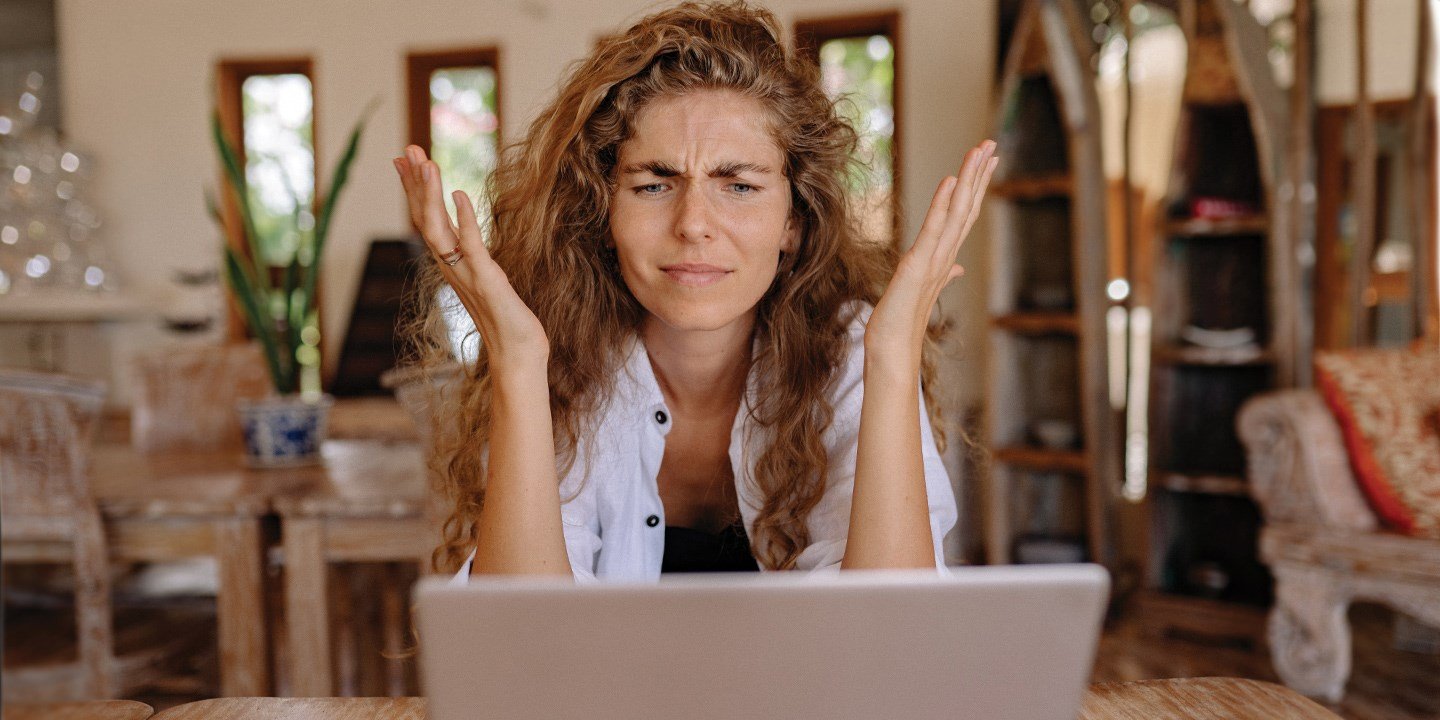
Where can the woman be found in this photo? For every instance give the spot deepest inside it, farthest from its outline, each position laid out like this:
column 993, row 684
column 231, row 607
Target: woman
column 682, row 329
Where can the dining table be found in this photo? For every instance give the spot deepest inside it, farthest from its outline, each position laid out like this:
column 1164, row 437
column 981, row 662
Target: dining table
column 183, row 504
column 1174, row 699
column 83, row 710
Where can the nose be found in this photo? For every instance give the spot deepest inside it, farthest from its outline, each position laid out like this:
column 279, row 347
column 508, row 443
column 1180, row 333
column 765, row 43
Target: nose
column 692, row 214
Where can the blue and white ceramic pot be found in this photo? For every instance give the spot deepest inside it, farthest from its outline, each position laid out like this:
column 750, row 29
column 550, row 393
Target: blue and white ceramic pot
column 284, row 431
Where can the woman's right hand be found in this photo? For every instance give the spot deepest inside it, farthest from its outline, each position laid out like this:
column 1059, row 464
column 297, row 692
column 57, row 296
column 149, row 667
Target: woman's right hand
column 513, row 337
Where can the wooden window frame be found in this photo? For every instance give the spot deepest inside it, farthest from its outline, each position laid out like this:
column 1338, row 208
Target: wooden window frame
column 418, row 67
column 811, row 33
column 230, row 77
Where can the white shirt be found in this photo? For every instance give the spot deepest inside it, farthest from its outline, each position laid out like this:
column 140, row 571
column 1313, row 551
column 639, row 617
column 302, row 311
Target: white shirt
column 615, row 526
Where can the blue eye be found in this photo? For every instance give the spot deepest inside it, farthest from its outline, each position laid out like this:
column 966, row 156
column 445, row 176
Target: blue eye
column 743, row 188
column 651, row 189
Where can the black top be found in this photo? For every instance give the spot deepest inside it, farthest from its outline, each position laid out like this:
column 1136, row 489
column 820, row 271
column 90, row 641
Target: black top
column 689, row 550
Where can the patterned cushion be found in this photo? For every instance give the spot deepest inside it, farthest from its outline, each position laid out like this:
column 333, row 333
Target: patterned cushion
column 1386, row 402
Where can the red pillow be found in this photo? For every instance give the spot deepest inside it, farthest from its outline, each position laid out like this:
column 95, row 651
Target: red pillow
column 1385, row 401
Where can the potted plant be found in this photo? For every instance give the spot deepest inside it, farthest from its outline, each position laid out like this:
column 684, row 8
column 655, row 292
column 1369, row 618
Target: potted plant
column 277, row 302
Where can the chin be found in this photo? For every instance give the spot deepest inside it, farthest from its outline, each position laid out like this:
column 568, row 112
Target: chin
column 693, row 315
column 696, row 318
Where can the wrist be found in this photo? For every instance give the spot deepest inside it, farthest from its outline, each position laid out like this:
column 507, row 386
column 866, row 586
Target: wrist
column 518, row 379
column 900, row 370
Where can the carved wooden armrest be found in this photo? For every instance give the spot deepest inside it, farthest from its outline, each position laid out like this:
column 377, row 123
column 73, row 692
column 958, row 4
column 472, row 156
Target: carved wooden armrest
column 1298, row 467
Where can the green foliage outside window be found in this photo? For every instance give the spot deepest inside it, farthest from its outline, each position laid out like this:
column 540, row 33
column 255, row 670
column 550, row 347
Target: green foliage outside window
column 464, row 129
column 860, row 73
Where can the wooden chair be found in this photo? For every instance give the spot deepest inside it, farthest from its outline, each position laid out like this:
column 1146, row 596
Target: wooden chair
column 47, row 425
column 184, row 397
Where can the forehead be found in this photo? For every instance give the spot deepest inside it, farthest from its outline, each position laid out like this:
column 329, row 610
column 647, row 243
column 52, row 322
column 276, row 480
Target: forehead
column 703, row 126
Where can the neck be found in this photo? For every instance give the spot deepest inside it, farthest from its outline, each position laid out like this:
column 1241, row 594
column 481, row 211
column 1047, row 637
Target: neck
column 699, row 371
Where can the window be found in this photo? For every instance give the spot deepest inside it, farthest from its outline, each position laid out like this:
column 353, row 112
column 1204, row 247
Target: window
column 858, row 58
column 267, row 108
column 454, row 112
column 454, row 108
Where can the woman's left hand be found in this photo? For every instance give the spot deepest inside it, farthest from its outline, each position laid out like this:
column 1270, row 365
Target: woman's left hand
column 896, row 330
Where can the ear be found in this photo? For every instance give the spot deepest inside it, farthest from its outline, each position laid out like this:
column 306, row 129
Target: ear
column 792, row 236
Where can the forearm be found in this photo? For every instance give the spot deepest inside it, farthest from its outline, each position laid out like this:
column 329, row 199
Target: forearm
column 519, row 529
column 889, row 512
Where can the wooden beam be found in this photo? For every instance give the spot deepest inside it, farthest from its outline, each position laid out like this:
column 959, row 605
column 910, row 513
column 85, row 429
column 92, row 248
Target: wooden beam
column 1421, row 170
column 1363, row 194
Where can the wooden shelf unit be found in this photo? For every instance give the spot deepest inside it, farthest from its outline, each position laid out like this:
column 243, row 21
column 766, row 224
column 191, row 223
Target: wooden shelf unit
column 1216, row 274
column 1244, row 356
column 1044, row 459
column 1228, row 485
column 1219, row 227
column 1047, row 304
column 1038, row 323
column 1033, row 187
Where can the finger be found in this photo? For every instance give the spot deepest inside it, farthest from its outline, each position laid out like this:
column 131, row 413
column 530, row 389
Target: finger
column 969, row 171
column 979, row 197
column 416, row 157
column 944, row 219
column 438, row 229
column 412, row 204
column 934, row 217
column 472, row 242
column 960, row 204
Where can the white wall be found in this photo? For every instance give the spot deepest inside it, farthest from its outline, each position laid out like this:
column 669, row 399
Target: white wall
column 137, row 82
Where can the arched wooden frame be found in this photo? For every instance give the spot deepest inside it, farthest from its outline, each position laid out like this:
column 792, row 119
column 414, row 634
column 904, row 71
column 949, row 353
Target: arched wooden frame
column 811, row 33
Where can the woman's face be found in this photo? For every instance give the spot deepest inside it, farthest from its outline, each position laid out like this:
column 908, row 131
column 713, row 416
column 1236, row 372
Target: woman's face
column 701, row 209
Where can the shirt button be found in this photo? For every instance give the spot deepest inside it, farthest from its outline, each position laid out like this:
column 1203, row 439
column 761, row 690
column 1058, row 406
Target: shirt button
column 661, row 417
column 653, row 520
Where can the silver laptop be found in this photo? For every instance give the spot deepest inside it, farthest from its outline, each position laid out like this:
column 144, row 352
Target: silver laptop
column 985, row 642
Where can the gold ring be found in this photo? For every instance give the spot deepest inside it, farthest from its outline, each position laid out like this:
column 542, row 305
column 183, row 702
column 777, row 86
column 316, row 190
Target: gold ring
column 452, row 257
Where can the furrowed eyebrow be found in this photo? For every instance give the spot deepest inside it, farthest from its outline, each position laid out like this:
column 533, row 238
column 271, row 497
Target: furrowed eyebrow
column 654, row 167
column 723, row 170
column 733, row 169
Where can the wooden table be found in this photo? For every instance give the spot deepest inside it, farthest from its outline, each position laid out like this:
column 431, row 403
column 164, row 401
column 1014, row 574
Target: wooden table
column 179, row 505
column 1199, row 699
column 1190, row 699
column 371, row 509
column 98, row 710
column 406, row 708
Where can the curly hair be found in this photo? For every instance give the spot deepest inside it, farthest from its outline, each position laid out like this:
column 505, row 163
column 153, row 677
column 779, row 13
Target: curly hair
column 549, row 203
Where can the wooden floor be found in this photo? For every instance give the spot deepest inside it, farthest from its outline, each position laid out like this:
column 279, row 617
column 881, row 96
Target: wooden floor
column 1386, row 684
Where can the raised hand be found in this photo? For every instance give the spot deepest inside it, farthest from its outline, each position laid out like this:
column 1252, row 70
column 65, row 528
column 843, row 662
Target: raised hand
column 512, row 335
column 889, row 512
column 896, row 330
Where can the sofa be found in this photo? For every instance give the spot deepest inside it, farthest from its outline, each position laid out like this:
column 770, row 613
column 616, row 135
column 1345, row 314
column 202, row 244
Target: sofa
column 1323, row 539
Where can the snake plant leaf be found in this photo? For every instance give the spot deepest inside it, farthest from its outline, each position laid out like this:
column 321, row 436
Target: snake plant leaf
column 244, row 290
column 230, row 160
column 337, row 183
column 213, row 208
column 278, row 316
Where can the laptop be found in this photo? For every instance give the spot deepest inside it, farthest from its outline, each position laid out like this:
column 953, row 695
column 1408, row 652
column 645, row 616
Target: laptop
column 998, row 643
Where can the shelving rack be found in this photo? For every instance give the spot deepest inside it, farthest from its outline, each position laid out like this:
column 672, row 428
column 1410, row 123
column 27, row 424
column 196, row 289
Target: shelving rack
column 1049, row 496
column 1222, row 274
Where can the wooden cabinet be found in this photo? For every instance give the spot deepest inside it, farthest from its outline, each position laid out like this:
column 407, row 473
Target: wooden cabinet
column 1054, row 461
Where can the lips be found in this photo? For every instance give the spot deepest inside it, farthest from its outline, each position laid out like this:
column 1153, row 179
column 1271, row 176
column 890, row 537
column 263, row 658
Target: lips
column 695, row 274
